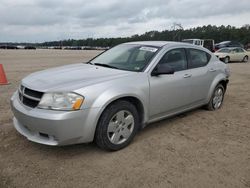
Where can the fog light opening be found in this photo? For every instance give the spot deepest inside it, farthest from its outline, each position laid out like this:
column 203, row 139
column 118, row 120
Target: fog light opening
column 43, row 135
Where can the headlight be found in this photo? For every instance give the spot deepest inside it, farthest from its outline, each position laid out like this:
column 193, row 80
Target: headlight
column 61, row 101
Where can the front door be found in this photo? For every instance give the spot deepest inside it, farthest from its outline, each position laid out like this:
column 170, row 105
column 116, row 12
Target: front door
column 168, row 93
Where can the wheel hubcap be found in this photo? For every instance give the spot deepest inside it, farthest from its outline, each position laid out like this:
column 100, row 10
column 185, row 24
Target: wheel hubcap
column 120, row 127
column 218, row 98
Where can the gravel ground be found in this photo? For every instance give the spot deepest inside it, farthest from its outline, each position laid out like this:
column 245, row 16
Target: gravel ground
column 196, row 149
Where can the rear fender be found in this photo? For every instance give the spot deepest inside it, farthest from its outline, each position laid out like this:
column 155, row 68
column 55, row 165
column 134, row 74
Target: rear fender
column 216, row 81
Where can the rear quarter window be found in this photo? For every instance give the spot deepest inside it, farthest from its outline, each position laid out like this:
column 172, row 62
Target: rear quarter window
column 198, row 58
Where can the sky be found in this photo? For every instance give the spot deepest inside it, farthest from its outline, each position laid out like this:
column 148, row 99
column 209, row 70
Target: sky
column 47, row 20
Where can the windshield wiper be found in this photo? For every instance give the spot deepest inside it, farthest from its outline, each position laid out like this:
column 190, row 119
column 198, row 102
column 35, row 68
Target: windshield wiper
column 89, row 62
column 105, row 65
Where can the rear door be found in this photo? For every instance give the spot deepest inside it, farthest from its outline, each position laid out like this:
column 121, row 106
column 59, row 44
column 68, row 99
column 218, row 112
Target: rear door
column 234, row 55
column 202, row 74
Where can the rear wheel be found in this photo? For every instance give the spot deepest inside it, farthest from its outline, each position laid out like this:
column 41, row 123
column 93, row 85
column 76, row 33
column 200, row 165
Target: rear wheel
column 245, row 59
column 217, row 98
column 226, row 59
column 117, row 126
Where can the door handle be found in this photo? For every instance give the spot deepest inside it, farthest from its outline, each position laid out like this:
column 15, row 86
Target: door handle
column 212, row 70
column 187, row 75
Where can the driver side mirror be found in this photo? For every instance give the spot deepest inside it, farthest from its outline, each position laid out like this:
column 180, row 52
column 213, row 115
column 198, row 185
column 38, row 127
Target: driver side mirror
column 162, row 69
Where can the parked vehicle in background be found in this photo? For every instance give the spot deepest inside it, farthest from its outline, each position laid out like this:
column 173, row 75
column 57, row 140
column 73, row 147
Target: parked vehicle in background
column 197, row 42
column 30, row 48
column 110, row 98
column 206, row 43
column 247, row 46
column 9, row 47
column 232, row 54
column 225, row 44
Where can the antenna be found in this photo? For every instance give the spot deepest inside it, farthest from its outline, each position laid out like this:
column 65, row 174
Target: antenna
column 176, row 28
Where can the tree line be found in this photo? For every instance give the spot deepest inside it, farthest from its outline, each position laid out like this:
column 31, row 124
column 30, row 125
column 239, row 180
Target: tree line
column 218, row 33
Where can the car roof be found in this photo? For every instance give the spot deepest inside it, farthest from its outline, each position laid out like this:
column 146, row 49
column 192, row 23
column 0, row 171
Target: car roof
column 157, row 43
column 224, row 42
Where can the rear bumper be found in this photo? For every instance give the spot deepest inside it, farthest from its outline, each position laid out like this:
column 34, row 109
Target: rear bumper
column 54, row 127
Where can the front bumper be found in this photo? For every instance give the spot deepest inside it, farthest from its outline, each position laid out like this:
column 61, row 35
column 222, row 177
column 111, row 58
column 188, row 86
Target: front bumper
column 52, row 127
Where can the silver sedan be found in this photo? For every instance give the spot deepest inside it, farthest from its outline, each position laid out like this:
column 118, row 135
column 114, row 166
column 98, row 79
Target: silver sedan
column 110, row 98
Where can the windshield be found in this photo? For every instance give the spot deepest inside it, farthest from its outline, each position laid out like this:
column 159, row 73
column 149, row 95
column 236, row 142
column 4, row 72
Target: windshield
column 223, row 50
column 126, row 57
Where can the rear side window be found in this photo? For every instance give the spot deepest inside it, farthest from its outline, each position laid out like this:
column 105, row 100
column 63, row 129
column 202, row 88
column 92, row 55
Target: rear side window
column 198, row 58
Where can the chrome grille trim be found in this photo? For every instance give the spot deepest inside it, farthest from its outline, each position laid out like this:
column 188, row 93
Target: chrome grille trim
column 29, row 97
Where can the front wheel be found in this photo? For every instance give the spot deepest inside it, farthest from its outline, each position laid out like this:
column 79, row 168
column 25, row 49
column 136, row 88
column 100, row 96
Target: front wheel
column 117, row 126
column 226, row 59
column 217, row 98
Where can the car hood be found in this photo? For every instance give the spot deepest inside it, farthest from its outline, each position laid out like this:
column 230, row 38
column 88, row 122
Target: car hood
column 71, row 77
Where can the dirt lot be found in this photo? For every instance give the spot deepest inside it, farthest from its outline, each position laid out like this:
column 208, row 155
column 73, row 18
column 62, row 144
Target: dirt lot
column 196, row 149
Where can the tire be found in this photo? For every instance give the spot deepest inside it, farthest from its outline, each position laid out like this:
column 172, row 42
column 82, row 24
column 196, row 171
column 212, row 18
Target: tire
column 226, row 59
column 117, row 126
column 245, row 59
column 216, row 103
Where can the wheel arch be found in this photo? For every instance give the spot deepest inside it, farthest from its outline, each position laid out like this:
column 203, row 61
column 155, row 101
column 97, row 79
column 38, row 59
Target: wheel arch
column 224, row 84
column 246, row 56
column 220, row 79
column 140, row 107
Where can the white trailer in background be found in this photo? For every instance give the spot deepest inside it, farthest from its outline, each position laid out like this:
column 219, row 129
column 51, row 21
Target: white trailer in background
column 206, row 43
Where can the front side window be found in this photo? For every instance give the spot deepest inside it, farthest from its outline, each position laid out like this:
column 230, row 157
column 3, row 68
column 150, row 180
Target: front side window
column 235, row 50
column 198, row 58
column 175, row 59
column 224, row 50
column 127, row 57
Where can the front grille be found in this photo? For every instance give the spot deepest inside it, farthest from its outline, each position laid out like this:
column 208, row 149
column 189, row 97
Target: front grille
column 29, row 97
column 33, row 93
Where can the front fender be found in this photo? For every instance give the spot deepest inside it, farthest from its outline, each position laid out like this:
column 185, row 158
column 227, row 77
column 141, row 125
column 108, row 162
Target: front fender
column 113, row 94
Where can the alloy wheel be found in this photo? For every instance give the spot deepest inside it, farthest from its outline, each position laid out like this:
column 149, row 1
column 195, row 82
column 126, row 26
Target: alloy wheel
column 218, row 98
